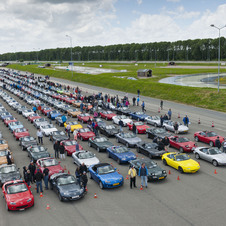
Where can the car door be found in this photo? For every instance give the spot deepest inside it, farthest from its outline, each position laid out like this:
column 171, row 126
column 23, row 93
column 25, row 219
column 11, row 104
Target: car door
column 208, row 157
column 202, row 137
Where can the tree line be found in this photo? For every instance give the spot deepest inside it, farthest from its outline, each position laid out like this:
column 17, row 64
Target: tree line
column 187, row 50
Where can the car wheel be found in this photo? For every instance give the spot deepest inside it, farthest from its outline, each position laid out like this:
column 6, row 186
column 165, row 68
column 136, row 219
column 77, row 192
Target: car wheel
column 211, row 143
column 147, row 134
column 138, row 149
column 180, row 169
column 101, row 185
column 82, row 121
column 215, row 163
column 197, row 156
column 60, row 197
column 127, row 145
column 150, row 156
column 164, row 162
column 89, row 144
column 90, row 176
column 181, row 150
column 22, row 148
column 196, row 139
column 98, row 149
column 51, row 186
column 155, row 125
column 138, row 119
column 81, row 138
column 117, row 140
column 6, row 206
column 109, row 156
column 118, row 161
column 106, row 118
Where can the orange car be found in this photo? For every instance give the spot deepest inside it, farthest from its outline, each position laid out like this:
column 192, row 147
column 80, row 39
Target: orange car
column 73, row 112
column 3, row 144
column 3, row 156
column 77, row 103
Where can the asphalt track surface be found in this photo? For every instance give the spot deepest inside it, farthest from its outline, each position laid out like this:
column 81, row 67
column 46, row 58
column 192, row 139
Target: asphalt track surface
column 195, row 199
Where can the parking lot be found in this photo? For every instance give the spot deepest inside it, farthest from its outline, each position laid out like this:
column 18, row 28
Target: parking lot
column 195, row 199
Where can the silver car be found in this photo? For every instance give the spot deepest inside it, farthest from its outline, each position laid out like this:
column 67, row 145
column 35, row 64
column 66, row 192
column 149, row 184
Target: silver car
column 153, row 120
column 40, row 122
column 213, row 155
column 169, row 125
column 129, row 139
column 86, row 157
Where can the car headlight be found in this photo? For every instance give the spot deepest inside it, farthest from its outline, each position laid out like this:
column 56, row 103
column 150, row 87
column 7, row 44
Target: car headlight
column 107, row 182
column 163, row 171
column 188, row 168
column 29, row 200
column 60, row 171
column 120, row 179
column 124, row 159
column 187, row 146
column 152, row 174
column 66, row 193
column 12, row 203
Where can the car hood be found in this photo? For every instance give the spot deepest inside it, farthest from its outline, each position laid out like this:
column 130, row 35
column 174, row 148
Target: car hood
column 40, row 155
column 10, row 176
column 157, row 170
column 112, row 131
column 19, row 197
column 115, row 176
column 128, row 154
column 220, row 157
column 105, row 144
column 188, row 163
column 182, row 128
column 87, row 134
column 55, row 169
column 89, row 162
column 50, row 130
column 70, row 189
column 29, row 143
column 133, row 140
column 60, row 137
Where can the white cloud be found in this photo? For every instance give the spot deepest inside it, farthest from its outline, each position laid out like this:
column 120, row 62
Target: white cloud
column 173, row 0
column 139, row 2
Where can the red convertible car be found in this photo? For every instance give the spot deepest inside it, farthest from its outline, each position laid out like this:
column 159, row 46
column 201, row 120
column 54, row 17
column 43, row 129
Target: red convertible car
column 17, row 195
column 46, row 110
column 84, row 117
column 108, row 115
column 140, row 127
column 208, row 137
column 70, row 100
column 22, row 132
column 9, row 119
column 183, row 144
column 33, row 117
column 51, row 163
column 85, row 134
column 69, row 146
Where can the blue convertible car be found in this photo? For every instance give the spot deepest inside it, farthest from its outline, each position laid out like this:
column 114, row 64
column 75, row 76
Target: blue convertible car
column 139, row 116
column 53, row 114
column 121, row 154
column 15, row 125
column 105, row 175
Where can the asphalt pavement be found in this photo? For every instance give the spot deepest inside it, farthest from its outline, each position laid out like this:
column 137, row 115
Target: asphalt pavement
column 195, row 199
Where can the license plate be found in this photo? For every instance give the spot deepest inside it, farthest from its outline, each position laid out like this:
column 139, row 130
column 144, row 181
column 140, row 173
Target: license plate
column 74, row 197
column 115, row 184
column 21, row 209
column 161, row 178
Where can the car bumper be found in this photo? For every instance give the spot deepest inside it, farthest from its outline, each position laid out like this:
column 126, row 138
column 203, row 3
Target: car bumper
column 23, row 206
column 114, row 185
column 190, row 170
column 73, row 198
column 159, row 177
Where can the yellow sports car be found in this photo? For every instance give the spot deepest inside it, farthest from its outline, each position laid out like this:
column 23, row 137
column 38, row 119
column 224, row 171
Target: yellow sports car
column 73, row 112
column 74, row 125
column 3, row 156
column 181, row 162
column 3, row 144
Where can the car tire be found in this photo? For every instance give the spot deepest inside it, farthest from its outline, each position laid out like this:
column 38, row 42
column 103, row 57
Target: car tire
column 60, row 197
column 81, row 138
column 90, row 145
column 127, row 145
column 106, row 118
column 136, row 131
column 197, row 156
column 211, row 143
column 196, row 139
column 155, row 125
column 181, row 150
column 6, row 206
column 117, row 140
column 118, row 161
column 147, row 134
column 215, row 163
column 98, row 149
column 90, row 176
column 82, row 121
column 180, row 169
column 150, row 156
column 138, row 119
column 164, row 162
column 138, row 149
column 101, row 185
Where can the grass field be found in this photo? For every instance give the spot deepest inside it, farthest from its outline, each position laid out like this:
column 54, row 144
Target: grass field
column 200, row 97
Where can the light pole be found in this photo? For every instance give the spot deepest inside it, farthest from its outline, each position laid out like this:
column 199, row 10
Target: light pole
column 71, row 56
column 219, row 49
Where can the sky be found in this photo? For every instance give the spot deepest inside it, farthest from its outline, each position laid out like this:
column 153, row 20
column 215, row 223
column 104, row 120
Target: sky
column 33, row 25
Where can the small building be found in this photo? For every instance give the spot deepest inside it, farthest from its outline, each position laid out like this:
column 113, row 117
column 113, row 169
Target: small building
column 144, row 73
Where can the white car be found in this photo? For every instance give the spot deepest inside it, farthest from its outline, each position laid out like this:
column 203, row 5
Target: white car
column 124, row 119
column 27, row 112
column 47, row 129
column 153, row 120
column 40, row 122
column 169, row 125
column 86, row 157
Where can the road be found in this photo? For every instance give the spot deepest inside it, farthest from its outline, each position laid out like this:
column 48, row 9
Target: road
column 197, row 199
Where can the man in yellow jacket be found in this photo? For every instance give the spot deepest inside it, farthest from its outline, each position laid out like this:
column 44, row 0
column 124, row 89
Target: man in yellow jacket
column 132, row 173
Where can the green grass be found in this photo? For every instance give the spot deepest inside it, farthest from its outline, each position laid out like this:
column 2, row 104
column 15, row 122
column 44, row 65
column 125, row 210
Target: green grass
column 200, row 97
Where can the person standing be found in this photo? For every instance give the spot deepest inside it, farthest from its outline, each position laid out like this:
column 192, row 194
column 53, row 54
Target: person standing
column 134, row 101
column 81, row 107
column 40, row 136
column 169, row 114
column 120, row 125
column 143, row 106
column 56, row 149
column 77, row 174
column 138, row 92
column 77, row 147
column 38, row 178
column 96, row 129
column 34, row 109
column 62, row 151
column 224, row 145
column 83, row 168
column 75, row 133
column 84, row 180
column 68, row 130
column 186, row 120
column 9, row 158
column 46, row 177
column 166, row 142
column 143, row 173
column 134, row 128
column 138, row 100
column 32, row 169
column 27, row 177
column 161, row 120
column 161, row 104
column 218, row 143
column 132, row 174
column 176, row 127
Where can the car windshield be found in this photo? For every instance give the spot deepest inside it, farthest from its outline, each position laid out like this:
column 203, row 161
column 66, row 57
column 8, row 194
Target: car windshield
column 74, row 110
column 105, row 169
column 109, row 112
column 183, row 139
column 86, row 155
column 129, row 135
column 16, row 188
column 8, row 169
column 69, row 143
column 49, row 162
column 15, row 123
column 211, row 134
column 151, row 145
column 139, row 113
column 101, row 139
column 214, row 151
column 72, row 123
column 182, row 157
column 159, row 130
column 9, row 118
column 33, row 115
column 2, row 141
column 84, row 130
column 27, row 111
column 47, row 126
column 110, row 127
column 20, row 130
column 66, row 180
column 3, row 153
column 41, row 120
column 37, row 149
column 28, row 138
column 122, row 117
column 86, row 115
column 139, row 123
column 150, row 164
column 121, row 150
column 54, row 112
column 155, row 117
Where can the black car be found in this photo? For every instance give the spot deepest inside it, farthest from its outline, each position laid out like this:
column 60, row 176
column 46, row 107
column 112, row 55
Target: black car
column 66, row 186
column 27, row 141
column 58, row 136
column 152, row 150
column 155, row 172
column 157, row 132
column 9, row 173
column 109, row 130
column 95, row 109
column 100, row 143
column 123, row 111
column 59, row 121
column 37, row 152
column 100, row 123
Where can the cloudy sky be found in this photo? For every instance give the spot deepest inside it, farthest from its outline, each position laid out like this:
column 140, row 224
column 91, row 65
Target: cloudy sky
column 28, row 25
